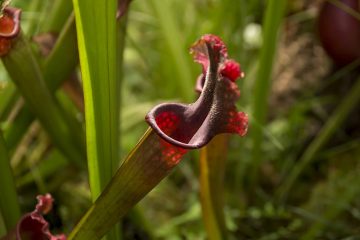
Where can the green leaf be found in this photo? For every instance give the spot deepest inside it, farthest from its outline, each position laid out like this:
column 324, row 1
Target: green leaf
column 96, row 31
column 97, row 34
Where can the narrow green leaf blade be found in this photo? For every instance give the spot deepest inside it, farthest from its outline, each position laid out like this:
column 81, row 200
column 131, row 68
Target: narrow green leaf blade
column 272, row 22
column 98, row 49
column 96, row 31
column 174, row 41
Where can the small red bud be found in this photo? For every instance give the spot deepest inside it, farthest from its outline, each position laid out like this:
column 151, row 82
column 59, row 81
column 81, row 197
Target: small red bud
column 231, row 70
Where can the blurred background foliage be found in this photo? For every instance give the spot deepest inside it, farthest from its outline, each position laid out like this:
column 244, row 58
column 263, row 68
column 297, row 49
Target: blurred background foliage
column 304, row 90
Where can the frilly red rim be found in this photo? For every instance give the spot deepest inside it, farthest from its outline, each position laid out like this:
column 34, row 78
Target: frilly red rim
column 191, row 126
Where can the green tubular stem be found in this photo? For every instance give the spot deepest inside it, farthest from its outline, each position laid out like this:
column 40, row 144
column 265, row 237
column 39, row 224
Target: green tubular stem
column 18, row 127
column 212, row 170
column 8, row 97
column 341, row 113
column 2, row 226
column 25, row 71
column 141, row 171
column 9, row 206
column 272, row 22
column 58, row 66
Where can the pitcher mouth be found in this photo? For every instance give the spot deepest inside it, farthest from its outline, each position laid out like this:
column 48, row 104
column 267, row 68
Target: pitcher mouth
column 192, row 126
column 10, row 21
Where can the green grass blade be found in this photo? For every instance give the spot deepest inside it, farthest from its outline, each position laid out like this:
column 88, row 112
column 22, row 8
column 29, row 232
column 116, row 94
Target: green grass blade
column 273, row 17
column 341, row 113
column 57, row 17
column 63, row 59
column 9, row 206
column 174, row 41
column 97, row 35
column 98, row 61
column 35, row 7
column 121, row 39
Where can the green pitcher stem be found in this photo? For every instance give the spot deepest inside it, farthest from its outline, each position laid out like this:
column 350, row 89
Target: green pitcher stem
column 141, row 171
column 212, row 172
column 9, row 206
column 25, row 71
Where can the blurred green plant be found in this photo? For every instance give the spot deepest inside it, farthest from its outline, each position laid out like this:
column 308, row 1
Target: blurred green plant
column 295, row 179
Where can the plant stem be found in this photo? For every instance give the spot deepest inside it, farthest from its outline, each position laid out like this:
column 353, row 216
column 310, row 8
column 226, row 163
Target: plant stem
column 148, row 163
column 9, row 206
column 58, row 66
column 25, row 71
column 212, row 170
column 8, row 96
